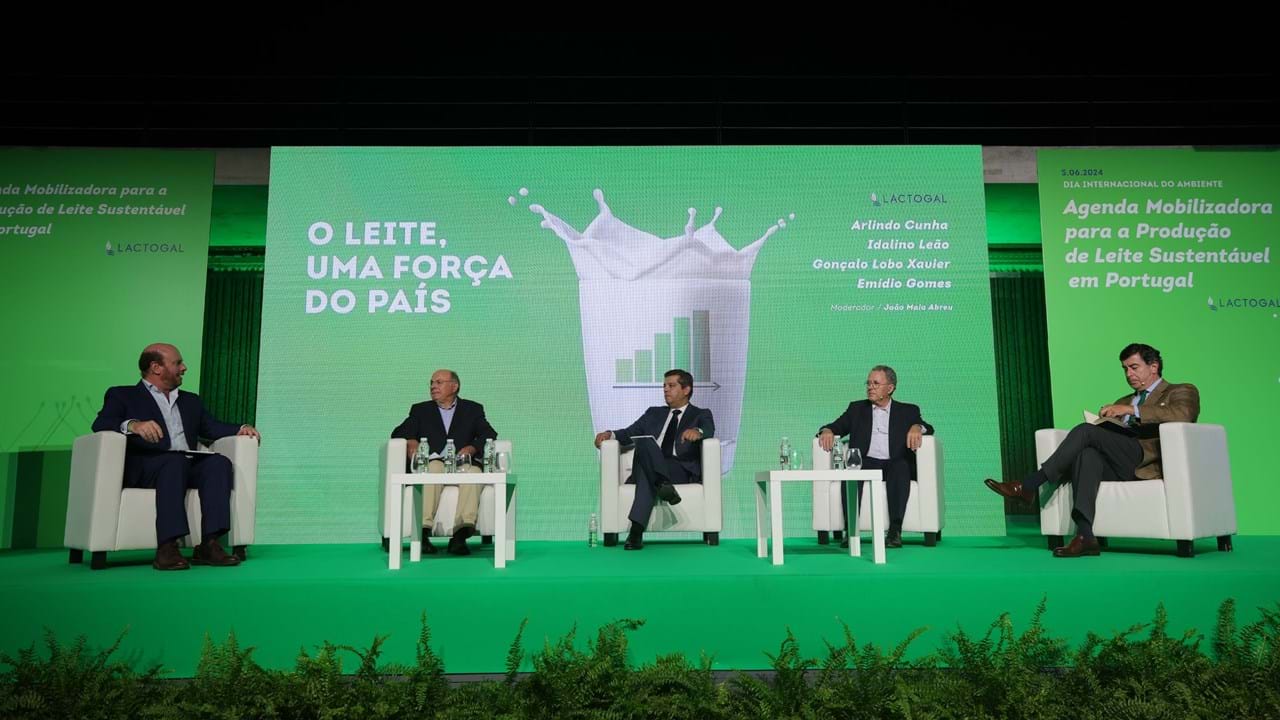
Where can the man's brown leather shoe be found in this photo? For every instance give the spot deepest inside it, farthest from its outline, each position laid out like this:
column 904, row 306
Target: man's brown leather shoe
column 169, row 558
column 210, row 552
column 1078, row 547
column 1010, row 489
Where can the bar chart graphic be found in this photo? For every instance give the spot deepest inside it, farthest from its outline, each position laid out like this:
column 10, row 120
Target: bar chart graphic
column 687, row 347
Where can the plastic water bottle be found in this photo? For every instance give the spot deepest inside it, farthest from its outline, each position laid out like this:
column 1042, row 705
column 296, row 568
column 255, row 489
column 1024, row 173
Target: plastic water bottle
column 593, row 531
column 488, row 455
column 837, row 454
column 784, row 454
column 422, row 458
column 450, row 457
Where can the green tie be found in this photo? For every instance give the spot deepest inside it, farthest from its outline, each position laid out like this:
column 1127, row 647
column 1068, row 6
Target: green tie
column 1142, row 397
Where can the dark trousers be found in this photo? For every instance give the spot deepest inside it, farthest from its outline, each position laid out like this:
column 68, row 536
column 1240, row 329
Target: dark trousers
column 171, row 474
column 649, row 469
column 897, row 485
column 1089, row 455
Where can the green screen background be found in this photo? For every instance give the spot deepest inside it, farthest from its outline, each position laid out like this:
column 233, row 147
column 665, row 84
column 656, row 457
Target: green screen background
column 75, row 316
column 1222, row 334
column 332, row 386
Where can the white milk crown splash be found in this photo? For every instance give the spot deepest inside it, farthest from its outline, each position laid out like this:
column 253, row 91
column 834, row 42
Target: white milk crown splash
column 650, row 303
column 611, row 249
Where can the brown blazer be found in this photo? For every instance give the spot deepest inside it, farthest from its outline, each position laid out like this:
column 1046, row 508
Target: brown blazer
column 1167, row 403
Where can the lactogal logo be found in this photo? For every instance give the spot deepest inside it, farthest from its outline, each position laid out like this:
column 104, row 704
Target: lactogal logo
column 1244, row 303
column 910, row 197
column 145, row 248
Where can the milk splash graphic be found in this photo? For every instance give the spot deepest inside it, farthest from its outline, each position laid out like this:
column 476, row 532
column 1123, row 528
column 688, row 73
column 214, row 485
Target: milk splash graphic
column 649, row 304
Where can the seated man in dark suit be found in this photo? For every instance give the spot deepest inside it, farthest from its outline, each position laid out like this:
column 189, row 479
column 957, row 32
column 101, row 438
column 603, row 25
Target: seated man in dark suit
column 448, row 417
column 887, row 433
column 1127, row 448
column 160, row 422
column 673, row 455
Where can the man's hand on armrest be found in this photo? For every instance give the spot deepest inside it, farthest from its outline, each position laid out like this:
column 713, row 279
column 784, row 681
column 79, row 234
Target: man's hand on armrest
column 826, row 439
column 148, row 430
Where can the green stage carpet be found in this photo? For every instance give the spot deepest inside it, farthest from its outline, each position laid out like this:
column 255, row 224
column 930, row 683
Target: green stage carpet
column 694, row 598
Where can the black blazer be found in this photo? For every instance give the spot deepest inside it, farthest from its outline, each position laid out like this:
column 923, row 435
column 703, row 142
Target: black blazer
column 134, row 402
column 469, row 427
column 856, row 423
column 652, row 422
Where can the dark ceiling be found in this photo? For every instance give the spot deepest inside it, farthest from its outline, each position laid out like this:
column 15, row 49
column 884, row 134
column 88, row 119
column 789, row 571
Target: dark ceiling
column 313, row 86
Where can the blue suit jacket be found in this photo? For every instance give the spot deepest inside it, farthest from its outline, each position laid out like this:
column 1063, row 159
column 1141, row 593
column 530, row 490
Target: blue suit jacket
column 469, row 427
column 856, row 423
column 688, row 454
column 134, row 402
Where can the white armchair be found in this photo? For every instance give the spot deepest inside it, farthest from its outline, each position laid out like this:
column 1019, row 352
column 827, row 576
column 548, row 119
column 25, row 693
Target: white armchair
column 392, row 460
column 699, row 509
column 926, row 507
column 1194, row 500
column 104, row 516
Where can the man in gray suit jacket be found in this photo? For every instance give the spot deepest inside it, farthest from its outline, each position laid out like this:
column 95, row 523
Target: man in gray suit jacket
column 668, row 450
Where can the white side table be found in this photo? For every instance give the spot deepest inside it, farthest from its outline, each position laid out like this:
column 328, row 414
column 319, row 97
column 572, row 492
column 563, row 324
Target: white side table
column 769, row 492
column 504, row 511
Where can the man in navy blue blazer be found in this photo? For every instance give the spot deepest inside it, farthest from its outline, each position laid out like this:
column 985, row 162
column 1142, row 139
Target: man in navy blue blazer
column 887, row 433
column 160, row 423
column 443, row 418
column 670, row 455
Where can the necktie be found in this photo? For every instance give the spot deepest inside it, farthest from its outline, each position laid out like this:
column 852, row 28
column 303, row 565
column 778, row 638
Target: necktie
column 1142, row 397
column 669, row 435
